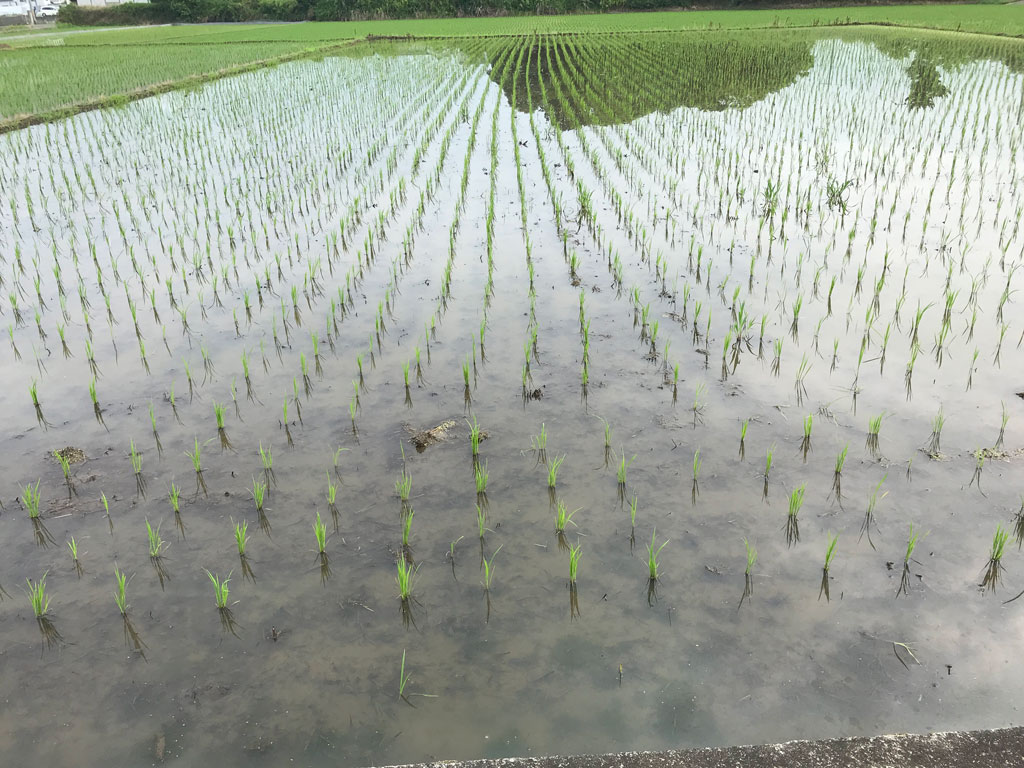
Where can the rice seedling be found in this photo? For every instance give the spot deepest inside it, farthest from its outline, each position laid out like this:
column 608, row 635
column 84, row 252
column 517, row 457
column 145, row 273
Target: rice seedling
column 65, row 466
column 73, row 548
column 539, row 444
column 481, row 474
column 575, row 555
column 805, row 441
column 623, row 466
column 934, row 441
column 830, row 553
column 994, row 567
column 474, row 436
column 874, row 427
column 267, row 462
column 743, row 438
column 777, row 359
column 1002, row 425
column 979, row 465
column 563, row 516
column 403, row 682
column 748, row 573
column 768, row 461
column 30, row 499
column 174, row 496
column 136, row 461
column 33, row 391
column 699, row 403
column 403, row 485
column 218, row 411
column 653, row 552
column 553, row 467
column 220, row 589
column 837, row 475
column 404, row 578
column 801, row 375
column 38, row 597
column 912, row 541
column 695, row 489
column 488, row 569
column 120, row 596
column 320, row 532
column 241, row 537
column 1018, row 525
column 407, row 533
column 156, row 542
column 869, row 514
column 792, row 528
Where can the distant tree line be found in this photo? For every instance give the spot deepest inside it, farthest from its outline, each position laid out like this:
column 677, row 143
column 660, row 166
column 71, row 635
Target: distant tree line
column 170, row 11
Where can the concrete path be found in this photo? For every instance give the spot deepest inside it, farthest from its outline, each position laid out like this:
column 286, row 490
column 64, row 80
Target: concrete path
column 1002, row 748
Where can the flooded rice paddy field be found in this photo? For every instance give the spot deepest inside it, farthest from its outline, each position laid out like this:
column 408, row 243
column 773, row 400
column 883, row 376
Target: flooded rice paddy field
column 753, row 299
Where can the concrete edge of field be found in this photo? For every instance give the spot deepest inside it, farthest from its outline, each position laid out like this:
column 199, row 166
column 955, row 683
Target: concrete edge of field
column 954, row 749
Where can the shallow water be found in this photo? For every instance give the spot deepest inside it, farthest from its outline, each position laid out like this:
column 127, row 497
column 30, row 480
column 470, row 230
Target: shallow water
column 268, row 166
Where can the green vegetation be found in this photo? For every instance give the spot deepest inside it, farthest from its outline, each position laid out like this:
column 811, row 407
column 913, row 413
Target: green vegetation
column 51, row 74
column 220, row 589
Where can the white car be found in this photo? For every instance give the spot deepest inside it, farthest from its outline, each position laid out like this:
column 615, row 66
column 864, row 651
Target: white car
column 47, row 11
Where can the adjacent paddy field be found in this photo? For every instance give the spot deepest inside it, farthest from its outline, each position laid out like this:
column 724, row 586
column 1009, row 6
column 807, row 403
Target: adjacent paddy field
column 512, row 395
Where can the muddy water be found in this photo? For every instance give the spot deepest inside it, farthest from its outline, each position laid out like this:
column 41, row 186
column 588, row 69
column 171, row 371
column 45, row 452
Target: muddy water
column 306, row 666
